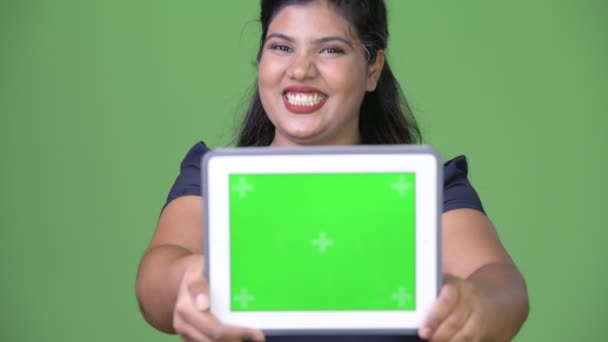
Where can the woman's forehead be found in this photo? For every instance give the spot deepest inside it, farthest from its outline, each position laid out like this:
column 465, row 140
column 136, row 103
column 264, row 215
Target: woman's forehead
column 314, row 19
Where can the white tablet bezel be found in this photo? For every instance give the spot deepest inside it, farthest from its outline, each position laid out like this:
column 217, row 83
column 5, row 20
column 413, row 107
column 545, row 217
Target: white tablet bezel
column 422, row 160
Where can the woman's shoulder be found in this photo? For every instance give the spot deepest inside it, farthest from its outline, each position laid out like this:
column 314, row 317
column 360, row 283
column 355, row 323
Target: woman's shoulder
column 457, row 189
column 455, row 168
column 188, row 181
column 194, row 155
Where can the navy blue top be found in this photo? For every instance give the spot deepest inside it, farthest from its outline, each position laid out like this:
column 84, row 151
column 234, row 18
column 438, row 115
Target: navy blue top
column 457, row 193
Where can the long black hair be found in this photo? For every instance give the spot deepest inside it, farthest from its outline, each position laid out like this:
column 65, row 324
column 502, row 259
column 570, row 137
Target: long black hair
column 384, row 118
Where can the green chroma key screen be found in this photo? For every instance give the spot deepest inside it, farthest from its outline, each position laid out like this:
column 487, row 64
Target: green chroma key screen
column 338, row 241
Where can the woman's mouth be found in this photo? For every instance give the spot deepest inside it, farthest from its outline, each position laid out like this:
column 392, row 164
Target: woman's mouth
column 304, row 102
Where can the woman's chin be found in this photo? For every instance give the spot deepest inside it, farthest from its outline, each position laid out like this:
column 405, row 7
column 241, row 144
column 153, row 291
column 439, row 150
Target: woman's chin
column 300, row 137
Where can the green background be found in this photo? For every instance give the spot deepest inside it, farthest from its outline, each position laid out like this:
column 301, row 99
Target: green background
column 367, row 222
column 100, row 100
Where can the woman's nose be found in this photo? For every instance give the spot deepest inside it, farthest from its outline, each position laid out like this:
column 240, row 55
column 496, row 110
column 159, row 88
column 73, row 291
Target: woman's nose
column 302, row 66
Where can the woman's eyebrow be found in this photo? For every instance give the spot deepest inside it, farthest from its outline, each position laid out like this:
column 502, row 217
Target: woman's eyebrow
column 280, row 36
column 333, row 38
column 316, row 41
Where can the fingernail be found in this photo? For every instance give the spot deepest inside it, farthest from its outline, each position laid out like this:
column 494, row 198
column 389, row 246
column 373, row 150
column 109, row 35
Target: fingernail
column 202, row 303
column 425, row 332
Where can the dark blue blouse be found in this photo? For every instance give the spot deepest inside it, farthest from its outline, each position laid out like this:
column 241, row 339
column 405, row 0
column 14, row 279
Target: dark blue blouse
column 457, row 193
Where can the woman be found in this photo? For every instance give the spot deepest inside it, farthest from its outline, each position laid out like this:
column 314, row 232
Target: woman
column 323, row 79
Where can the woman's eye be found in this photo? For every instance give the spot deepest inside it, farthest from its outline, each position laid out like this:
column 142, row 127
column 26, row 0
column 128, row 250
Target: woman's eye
column 280, row 47
column 332, row 50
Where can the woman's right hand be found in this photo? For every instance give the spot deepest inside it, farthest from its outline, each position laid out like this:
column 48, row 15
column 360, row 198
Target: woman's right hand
column 191, row 317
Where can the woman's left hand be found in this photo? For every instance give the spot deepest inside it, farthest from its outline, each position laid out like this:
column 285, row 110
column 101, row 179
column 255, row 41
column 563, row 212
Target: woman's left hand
column 457, row 314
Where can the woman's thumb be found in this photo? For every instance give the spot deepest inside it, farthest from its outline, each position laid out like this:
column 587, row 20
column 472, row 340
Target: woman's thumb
column 201, row 301
column 199, row 291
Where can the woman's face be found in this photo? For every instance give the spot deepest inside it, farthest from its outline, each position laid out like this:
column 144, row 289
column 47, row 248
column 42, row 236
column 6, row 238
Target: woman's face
column 313, row 75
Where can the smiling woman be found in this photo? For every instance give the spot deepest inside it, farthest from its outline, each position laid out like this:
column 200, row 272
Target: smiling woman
column 323, row 79
column 313, row 76
column 326, row 58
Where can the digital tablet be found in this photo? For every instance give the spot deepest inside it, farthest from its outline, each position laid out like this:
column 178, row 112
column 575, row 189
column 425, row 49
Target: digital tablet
column 323, row 240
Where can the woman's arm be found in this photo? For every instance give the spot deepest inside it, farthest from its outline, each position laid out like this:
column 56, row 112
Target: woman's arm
column 177, row 240
column 172, row 291
column 484, row 297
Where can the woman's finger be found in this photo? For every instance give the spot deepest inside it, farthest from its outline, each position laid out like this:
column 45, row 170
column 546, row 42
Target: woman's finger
column 188, row 333
column 221, row 332
column 443, row 306
column 245, row 333
column 209, row 326
column 471, row 331
column 453, row 324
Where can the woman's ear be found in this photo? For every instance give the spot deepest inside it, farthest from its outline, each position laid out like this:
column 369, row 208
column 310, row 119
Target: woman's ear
column 374, row 71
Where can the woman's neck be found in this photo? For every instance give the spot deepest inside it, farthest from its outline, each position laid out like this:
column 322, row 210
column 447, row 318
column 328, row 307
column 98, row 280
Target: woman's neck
column 283, row 141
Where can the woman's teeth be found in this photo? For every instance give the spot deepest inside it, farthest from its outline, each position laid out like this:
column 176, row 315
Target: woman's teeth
column 304, row 99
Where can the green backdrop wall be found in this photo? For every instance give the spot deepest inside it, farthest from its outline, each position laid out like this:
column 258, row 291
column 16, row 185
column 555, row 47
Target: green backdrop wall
column 100, row 100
